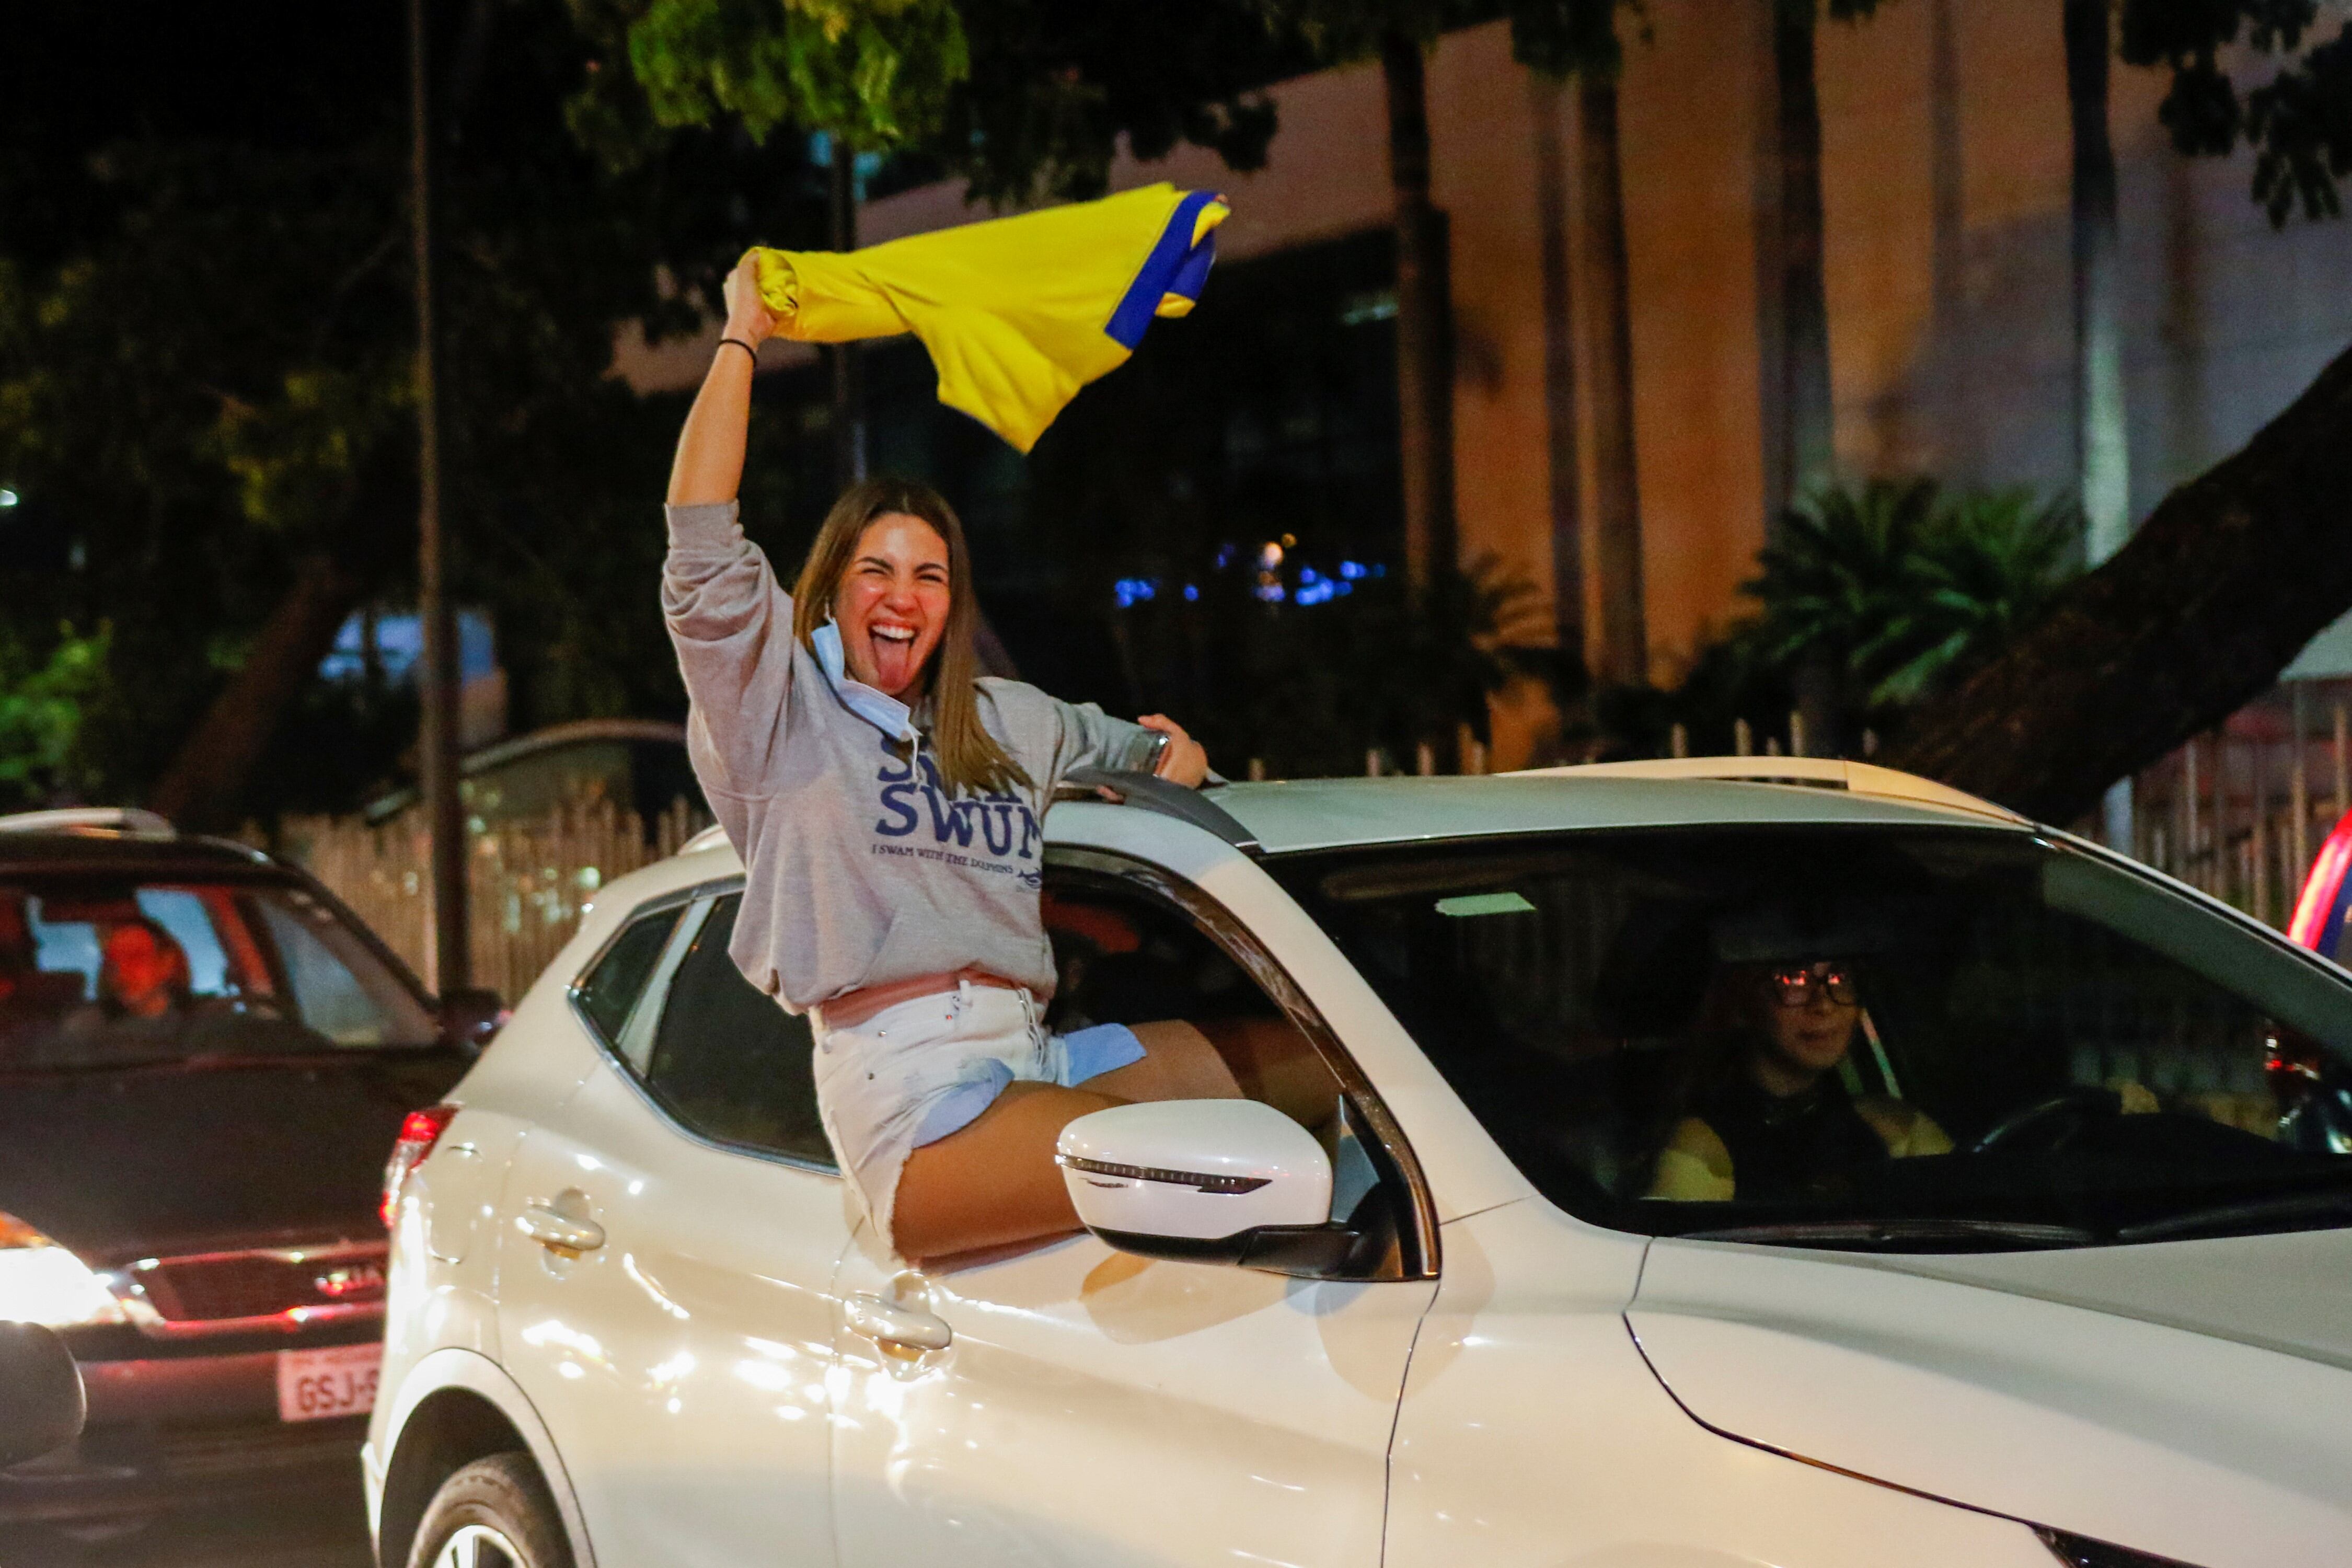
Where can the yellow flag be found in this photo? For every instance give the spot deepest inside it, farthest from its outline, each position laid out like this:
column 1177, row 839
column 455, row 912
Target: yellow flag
column 1018, row 312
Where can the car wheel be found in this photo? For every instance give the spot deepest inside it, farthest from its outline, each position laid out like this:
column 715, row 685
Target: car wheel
column 493, row 1513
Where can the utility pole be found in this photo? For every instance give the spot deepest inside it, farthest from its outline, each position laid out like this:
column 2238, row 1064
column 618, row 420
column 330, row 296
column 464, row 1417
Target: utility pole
column 438, row 668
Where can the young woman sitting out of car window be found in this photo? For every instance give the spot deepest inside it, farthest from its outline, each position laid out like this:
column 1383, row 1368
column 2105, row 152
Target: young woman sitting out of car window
column 1770, row 1116
column 887, row 800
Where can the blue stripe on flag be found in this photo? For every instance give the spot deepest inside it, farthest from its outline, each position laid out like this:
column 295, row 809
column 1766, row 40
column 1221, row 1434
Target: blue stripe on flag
column 1175, row 260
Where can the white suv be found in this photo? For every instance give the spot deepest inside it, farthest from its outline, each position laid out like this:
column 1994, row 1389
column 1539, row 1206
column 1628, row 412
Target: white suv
column 2081, row 1293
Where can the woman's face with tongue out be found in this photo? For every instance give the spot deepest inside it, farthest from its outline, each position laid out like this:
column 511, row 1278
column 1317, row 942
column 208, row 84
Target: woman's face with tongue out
column 892, row 604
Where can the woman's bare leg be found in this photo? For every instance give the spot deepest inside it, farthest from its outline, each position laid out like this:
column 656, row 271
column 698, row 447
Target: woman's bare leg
column 1178, row 1063
column 1276, row 1065
column 993, row 1182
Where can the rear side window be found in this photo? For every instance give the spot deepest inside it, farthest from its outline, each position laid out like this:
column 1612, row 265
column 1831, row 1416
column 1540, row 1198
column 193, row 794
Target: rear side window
column 609, row 990
column 727, row 1062
column 721, row 1059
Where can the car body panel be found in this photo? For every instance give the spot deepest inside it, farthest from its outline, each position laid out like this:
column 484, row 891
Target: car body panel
column 684, row 1360
column 2302, row 1307
column 1532, row 1435
column 454, row 1368
column 184, row 1157
column 2234, row 1457
column 1096, row 1408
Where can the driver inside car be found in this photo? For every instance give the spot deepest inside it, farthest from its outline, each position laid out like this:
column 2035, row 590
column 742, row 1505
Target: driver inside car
column 1770, row 1115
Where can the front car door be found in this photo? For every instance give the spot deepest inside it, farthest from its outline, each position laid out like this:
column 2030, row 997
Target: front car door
column 1094, row 1407
column 668, row 1241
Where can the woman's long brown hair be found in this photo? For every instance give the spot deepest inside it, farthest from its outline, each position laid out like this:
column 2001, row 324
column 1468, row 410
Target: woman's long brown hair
column 969, row 757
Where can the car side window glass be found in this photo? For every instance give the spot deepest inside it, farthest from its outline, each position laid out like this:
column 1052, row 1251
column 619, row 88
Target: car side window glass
column 328, row 997
column 729, row 1063
column 181, row 912
column 1126, row 956
column 607, row 992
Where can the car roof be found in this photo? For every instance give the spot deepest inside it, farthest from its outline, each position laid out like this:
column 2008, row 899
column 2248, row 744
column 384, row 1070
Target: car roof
column 1290, row 816
column 126, row 853
column 1322, row 814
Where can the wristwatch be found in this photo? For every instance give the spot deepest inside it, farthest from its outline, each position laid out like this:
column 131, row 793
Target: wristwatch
column 1161, row 741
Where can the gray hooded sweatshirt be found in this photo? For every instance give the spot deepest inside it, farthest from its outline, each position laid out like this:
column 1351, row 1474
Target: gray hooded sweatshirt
column 861, row 867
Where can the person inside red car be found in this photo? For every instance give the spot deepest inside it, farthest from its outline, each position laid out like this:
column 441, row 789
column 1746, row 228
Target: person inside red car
column 144, row 973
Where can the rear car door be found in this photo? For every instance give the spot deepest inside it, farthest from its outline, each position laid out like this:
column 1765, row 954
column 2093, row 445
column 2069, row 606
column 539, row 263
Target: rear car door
column 668, row 1240
column 1095, row 1407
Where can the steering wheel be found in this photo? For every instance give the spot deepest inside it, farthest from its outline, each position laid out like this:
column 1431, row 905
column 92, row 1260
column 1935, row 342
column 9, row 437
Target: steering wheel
column 2048, row 1125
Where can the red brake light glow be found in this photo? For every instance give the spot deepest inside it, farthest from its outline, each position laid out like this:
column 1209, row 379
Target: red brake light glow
column 419, row 1131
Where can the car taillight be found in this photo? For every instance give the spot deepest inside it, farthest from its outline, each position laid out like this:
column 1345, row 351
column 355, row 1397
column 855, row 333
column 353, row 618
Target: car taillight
column 419, row 1131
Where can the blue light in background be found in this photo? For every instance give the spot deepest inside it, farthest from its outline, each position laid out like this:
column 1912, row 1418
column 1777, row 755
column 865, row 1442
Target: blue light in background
column 1315, row 588
column 400, row 643
column 1132, row 591
column 1351, row 570
column 1191, row 592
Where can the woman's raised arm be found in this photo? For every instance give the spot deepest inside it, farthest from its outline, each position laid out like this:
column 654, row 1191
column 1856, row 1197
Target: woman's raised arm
column 710, row 463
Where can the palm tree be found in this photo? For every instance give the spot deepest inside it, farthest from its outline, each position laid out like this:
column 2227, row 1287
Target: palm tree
column 1896, row 589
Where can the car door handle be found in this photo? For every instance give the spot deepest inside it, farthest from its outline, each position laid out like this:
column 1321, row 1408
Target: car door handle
column 560, row 1232
column 886, row 1322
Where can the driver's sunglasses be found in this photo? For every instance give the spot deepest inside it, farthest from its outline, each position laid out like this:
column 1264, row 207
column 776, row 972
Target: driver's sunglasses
column 1795, row 986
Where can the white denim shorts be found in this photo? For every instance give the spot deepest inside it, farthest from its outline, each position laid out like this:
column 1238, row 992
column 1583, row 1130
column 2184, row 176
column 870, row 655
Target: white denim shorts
column 915, row 1072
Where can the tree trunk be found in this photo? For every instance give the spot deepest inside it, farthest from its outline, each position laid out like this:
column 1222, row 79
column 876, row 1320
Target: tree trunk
column 1804, row 297
column 1617, row 504
column 2101, row 439
column 1548, row 102
column 1424, row 321
column 2102, row 450
column 206, row 779
column 2222, row 586
column 1808, row 416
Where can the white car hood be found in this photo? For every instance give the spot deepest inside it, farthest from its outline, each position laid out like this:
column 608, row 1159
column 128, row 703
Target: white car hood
column 2189, row 1399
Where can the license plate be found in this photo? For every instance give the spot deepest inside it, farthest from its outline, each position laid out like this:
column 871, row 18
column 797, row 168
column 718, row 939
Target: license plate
column 317, row 1385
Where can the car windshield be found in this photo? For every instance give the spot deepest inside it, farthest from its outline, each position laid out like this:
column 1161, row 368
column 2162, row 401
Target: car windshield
column 104, row 972
column 1860, row 1036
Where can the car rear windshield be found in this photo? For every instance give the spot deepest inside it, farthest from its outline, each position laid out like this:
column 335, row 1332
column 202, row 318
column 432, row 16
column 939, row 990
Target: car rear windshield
column 1875, row 1038
column 105, row 971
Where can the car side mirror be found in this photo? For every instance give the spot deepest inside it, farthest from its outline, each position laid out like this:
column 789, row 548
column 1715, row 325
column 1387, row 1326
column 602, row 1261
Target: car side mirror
column 1208, row 1181
column 470, row 1015
column 41, row 1399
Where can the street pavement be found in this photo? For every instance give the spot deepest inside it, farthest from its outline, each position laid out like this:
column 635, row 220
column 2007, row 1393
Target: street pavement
column 322, row 1530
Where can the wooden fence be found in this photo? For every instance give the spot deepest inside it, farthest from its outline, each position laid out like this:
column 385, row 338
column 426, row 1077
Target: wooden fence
column 529, row 880
column 2241, row 811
